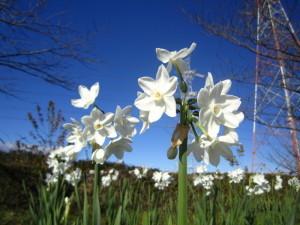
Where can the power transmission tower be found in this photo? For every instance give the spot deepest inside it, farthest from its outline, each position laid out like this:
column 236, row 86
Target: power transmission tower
column 277, row 81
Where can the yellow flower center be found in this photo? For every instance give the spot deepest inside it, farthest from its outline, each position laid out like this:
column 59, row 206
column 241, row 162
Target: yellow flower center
column 216, row 109
column 98, row 126
column 157, row 96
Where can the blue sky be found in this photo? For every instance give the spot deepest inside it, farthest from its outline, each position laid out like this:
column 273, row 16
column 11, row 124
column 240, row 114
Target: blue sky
column 129, row 32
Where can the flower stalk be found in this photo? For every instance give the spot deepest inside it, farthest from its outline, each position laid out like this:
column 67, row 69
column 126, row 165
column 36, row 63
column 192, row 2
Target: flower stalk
column 182, row 209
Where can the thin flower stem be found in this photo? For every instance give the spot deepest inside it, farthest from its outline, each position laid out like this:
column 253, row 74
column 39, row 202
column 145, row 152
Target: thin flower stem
column 182, row 173
column 194, row 130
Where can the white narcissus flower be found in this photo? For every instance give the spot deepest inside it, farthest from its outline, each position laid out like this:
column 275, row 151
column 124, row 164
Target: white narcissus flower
column 161, row 179
column 278, row 184
column 236, row 176
column 87, row 97
column 210, row 148
column 124, row 122
column 115, row 147
column 118, row 146
column 158, row 97
column 99, row 125
column 175, row 57
column 216, row 107
column 99, row 156
column 77, row 137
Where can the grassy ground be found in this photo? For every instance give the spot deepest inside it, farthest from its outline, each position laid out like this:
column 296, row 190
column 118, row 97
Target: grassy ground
column 137, row 202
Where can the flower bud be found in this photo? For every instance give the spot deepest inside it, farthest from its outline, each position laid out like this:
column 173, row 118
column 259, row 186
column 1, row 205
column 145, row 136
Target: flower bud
column 172, row 152
column 183, row 87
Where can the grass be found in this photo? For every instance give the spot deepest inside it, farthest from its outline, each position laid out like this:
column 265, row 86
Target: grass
column 129, row 201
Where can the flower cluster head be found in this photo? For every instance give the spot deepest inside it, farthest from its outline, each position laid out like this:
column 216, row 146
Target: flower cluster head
column 203, row 179
column 108, row 133
column 161, row 179
column 217, row 109
column 73, row 177
column 139, row 173
column 236, row 176
column 108, row 177
column 295, row 183
column 278, row 183
column 60, row 165
column 258, row 185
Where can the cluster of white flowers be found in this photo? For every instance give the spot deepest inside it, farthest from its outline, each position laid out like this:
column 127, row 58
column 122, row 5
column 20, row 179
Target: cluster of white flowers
column 73, row 177
column 295, row 183
column 60, row 164
column 139, row 173
column 218, row 175
column 161, row 179
column 114, row 129
column 258, row 185
column 111, row 133
column 108, row 177
column 216, row 108
column 205, row 180
column 236, row 176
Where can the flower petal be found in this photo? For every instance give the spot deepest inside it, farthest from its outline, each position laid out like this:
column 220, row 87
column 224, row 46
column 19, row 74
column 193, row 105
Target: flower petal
column 185, row 51
column 230, row 137
column 209, row 82
column 99, row 156
column 83, row 91
column 156, row 112
column 95, row 90
column 170, row 106
column 147, row 84
column 203, row 99
column 233, row 119
column 79, row 103
column 214, row 155
column 226, row 86
column 163, row 55
column 144, row 102
column 197, row 151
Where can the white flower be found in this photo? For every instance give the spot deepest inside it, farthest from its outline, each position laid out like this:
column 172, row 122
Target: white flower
column 209, row 148
column 295, row 183
column 74, row 177
column 124, row 122
column 161, row 179
column 77, row 137
column 157, row 98
column 99, row 156
column 87, row 97
column 201, row 168
column 278, row 184
column 111, row 176
column 216, row 107
column 174, row 57
column 205, row 180
column 138, row 173
column 115, row 147
column 236, row 176
column 259, row 185
column 106, row 180
column 99, row 125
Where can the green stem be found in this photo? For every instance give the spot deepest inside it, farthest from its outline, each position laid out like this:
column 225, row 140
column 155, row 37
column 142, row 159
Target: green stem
column 182, row 173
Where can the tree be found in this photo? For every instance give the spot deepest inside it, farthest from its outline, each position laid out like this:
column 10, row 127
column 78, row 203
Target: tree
column 35, row 43
column 47, row 130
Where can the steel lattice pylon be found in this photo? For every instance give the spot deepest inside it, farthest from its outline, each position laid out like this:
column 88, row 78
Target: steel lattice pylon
column 277, row 81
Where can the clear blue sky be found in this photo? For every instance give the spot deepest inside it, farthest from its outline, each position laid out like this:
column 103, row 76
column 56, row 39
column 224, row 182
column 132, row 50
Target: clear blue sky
column 129, row 32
